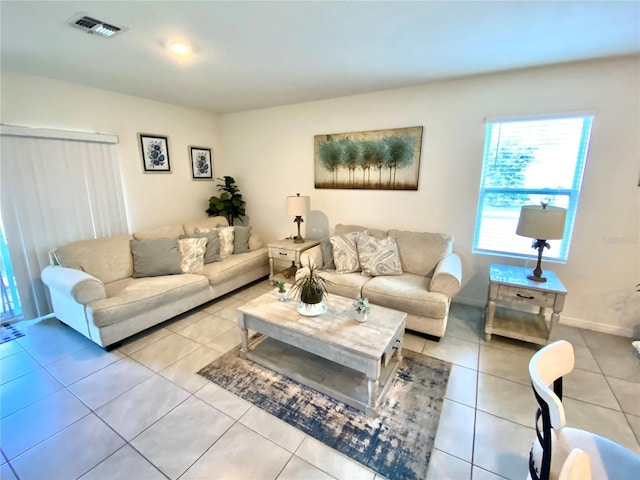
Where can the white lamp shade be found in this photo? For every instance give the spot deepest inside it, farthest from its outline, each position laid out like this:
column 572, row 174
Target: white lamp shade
column 541, row 223
column 297, row 206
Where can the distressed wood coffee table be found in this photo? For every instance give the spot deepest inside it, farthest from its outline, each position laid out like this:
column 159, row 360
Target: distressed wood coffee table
column 332, row 353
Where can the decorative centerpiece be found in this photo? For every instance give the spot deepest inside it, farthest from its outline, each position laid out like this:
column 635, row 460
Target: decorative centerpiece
column 282, row 292
column 361, row 305
column 311, row 289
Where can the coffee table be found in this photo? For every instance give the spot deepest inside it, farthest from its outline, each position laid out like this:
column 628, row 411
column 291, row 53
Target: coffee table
column 332, row 353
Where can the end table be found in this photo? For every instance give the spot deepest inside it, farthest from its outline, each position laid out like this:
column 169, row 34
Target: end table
column 518, row 297
column 282, row 253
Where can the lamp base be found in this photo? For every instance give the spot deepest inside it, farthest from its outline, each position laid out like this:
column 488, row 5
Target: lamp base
column 298, row 238
column 535, row 278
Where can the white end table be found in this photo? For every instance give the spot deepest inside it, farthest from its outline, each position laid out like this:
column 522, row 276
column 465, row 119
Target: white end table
column 518, row 297
column 282, row 253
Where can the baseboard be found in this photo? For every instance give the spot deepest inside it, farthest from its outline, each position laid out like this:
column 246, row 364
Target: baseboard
column 597, row 326
column 564, row 320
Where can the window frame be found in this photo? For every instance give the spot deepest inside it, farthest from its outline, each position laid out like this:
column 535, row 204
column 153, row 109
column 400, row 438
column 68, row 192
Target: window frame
column 572, row 194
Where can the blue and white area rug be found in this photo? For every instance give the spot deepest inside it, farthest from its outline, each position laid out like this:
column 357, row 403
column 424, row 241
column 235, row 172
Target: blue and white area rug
column 397, row 444
column 9, row 332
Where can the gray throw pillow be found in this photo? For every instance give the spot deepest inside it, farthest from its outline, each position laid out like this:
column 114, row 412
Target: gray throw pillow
column 327, row 254
column 241, row 239
column 213, row 245
column 152, row 258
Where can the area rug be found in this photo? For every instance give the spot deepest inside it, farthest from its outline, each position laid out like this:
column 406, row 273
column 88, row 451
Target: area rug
column 397, row 444
column 9, row 332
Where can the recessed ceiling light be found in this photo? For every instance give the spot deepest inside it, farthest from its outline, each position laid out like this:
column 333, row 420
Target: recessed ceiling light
column 179, row 48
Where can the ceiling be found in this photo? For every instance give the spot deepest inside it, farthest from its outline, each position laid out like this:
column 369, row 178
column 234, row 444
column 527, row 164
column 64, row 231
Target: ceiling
column 249, row 55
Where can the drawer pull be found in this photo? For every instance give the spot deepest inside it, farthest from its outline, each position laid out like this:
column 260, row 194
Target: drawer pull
column 525, row 296
column 283, row 254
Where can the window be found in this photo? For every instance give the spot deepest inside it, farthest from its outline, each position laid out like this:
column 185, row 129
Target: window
column 57, row 187
column 527, row 162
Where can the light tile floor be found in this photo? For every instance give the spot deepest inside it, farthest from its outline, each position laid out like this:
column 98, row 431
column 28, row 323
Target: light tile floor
column 71, row 410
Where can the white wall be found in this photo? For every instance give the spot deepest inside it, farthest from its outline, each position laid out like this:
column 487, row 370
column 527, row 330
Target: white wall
column 152, row 199
column 270, row 153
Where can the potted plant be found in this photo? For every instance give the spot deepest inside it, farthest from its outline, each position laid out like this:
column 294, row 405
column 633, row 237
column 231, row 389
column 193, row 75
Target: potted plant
column 282, row 292
column 311, row 288
column 230, row 203
column 361, row 305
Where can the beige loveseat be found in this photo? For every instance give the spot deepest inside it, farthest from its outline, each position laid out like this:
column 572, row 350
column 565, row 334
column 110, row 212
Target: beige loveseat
column 94, row 290
column 428, row 276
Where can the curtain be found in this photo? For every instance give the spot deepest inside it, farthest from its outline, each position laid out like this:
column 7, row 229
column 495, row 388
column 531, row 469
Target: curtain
column 57, row 187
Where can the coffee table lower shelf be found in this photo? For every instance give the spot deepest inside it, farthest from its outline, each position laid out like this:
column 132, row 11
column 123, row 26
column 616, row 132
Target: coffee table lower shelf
column 337, row 381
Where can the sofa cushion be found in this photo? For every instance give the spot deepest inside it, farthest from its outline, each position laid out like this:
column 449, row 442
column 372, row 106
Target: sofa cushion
column 107, row 259
column 420, row 252
column 155, row 257
column 133, row 296
column 241, row 239
column 347, row 285
column 378, row 256
column 212, row 253
column 344, row 229
column 192, row 252
column 407, row 293
column 345, row 252
column 234, row 265
column 171, row 231
column 205, row 223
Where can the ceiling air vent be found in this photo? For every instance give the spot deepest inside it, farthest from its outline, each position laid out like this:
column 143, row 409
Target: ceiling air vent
column 93, row 26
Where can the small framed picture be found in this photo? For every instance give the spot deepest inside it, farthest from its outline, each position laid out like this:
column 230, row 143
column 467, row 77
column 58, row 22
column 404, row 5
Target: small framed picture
column 201, row 166
column 155, row 153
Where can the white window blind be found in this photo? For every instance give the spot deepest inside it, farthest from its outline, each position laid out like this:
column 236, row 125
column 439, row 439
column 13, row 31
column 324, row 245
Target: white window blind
column 57, row 187
column 527, row 162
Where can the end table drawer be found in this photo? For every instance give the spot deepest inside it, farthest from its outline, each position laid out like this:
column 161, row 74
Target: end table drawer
column 283, row 254
column 530, row 297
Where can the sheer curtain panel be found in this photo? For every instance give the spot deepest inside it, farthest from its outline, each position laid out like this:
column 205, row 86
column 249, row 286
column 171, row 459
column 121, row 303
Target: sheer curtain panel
column 57, row 187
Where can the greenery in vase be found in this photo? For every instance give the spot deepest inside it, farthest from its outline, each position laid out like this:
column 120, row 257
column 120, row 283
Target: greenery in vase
column 280, row 285
column 229, row 204
column 362, row 305
column 310, row 287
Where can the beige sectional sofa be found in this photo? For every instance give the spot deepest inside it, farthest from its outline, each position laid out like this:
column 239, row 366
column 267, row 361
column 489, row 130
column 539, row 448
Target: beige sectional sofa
column 428, row 276
column 94, row 288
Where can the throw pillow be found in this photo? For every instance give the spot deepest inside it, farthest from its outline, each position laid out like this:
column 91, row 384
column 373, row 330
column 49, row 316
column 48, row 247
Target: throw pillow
column 378, row 256
column 226, row 239
column 192, row 252
column 213, row 245
column 155, row 257
column 241, row 239
column 345, row 252
column 327, row 255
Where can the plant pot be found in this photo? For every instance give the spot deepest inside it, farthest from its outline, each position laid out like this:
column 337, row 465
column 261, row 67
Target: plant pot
column 361, row 316
column 311, row 297
column 283, row 296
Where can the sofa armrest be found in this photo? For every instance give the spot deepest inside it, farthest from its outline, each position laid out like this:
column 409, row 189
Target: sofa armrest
column 312, row 256
column 74, row 284
column 447, row 278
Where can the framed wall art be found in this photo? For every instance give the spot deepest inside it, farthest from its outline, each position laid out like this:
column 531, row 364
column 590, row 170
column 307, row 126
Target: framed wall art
column 377, row 160
column 201, row 166
column 155, row 153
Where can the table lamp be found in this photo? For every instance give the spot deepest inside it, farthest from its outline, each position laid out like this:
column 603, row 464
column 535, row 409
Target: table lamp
column 542, row 223
column 298, row 206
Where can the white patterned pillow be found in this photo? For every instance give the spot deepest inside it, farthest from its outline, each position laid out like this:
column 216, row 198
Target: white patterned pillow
column 226, row 239
column 345, row 252
column 378, row 256
column 192, row 254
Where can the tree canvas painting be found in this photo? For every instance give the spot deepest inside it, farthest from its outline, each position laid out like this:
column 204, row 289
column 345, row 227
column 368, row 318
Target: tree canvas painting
column 378, row 159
